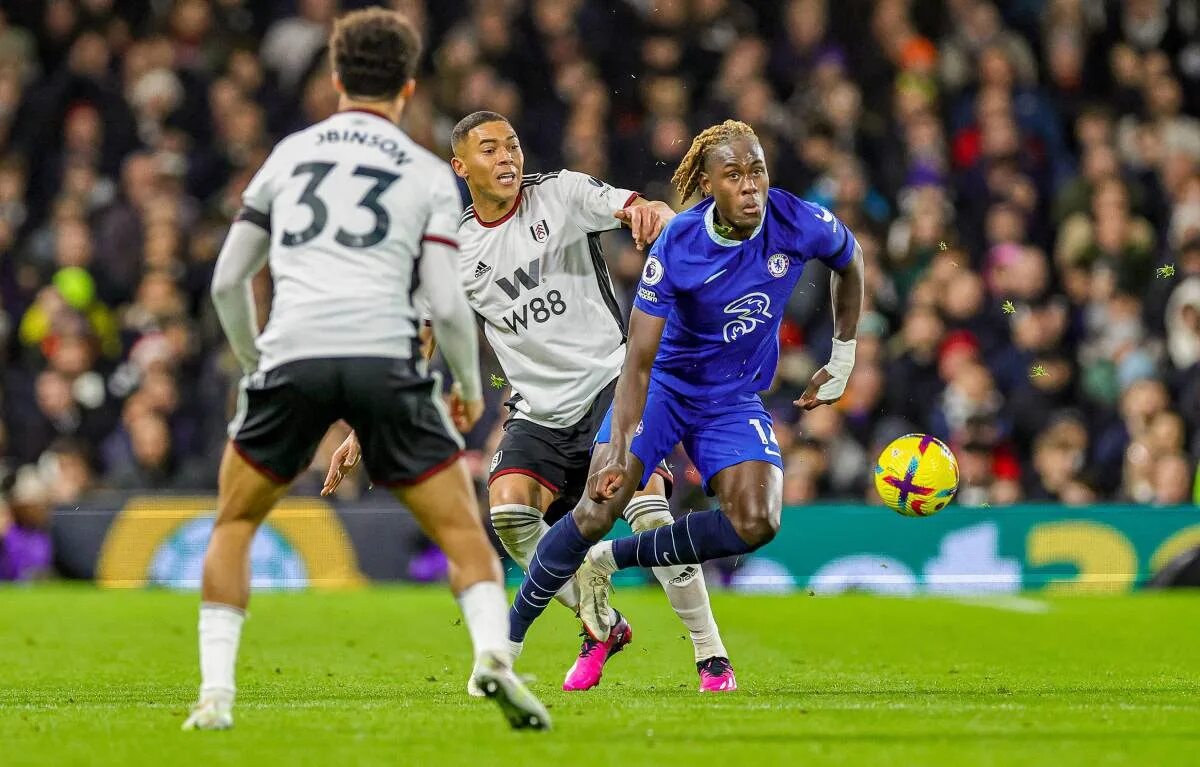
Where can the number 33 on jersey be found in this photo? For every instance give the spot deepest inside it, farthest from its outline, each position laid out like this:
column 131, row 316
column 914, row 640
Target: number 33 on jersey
column 348, row 203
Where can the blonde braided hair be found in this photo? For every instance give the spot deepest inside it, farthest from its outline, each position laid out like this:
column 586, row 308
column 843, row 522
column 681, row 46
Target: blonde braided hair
column 687, row 176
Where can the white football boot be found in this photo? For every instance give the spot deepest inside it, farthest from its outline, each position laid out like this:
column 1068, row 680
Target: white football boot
column 473, row 688
column 517, row 703
column 595, row 587
column 210, row 713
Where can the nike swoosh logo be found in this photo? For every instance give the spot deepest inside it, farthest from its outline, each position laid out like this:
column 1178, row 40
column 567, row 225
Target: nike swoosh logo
column 825, row 216
column 715, row 276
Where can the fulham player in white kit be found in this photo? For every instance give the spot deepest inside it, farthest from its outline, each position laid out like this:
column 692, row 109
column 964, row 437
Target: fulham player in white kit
column 531, row 263
column 352, row 217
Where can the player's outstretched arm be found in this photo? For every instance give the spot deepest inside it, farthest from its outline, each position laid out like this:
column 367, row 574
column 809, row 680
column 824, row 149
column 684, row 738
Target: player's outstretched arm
column 646, row 220
column 242, row 255
column 454, row 330
column 847, row 286
column 645, row 333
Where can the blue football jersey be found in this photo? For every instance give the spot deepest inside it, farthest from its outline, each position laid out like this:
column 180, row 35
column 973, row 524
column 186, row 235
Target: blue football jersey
column 724, row 299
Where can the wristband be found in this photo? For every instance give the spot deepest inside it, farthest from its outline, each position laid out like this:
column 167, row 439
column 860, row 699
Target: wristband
column 841, row 363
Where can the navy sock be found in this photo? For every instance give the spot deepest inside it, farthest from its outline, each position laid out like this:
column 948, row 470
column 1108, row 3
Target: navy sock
column 559, row 554
column 692, row 539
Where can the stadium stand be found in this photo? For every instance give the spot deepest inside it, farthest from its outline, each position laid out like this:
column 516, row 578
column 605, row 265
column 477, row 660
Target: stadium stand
column 1024, row 179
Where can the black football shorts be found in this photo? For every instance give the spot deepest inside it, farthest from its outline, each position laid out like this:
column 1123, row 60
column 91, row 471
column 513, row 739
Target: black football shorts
column 557, row 458
column 398, row 414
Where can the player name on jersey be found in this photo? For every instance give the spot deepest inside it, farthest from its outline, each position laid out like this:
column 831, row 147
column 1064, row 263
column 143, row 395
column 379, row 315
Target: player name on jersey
column 387, row 144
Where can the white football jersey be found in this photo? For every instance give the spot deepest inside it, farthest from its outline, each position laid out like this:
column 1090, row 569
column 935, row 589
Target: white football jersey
column 348, row 203
column 538, row 280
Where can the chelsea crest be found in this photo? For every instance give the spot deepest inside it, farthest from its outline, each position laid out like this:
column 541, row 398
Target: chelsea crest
column 777, row 265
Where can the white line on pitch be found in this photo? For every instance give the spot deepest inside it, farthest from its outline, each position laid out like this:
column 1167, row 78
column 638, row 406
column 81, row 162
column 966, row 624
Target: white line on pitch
column 1010, row 604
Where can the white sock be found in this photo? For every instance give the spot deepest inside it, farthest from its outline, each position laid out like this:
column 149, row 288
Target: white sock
column 601, row 555
column 519, row 529
column 684, row 584
column 485, row 611
column 220, row 631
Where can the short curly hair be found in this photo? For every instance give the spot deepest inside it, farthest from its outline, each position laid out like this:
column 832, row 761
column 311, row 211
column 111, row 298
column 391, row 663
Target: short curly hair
column 374, row 52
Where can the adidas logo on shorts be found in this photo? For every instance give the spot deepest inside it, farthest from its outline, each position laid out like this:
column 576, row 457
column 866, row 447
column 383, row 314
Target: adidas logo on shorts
column 481, row 269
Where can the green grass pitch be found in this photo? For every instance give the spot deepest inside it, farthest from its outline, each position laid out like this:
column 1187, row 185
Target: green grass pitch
column 377, row 677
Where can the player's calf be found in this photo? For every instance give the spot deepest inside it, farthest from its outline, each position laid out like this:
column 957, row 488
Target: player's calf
column 558, row 556
column 751, row 495
column 595, row 520
column 756, row 525
column 520, row 528
column 683, row 584
column 246, row 497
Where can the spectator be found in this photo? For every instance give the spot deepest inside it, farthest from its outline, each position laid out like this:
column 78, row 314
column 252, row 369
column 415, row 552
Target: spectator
column 844, row 459
column 1172, row 480
column 291, row 43
column 996, row 246
column 155, row 463
column 57, row 413
column 913, row 376
column 1058, row 456
column 68, row 472
column 25, row 548
column 1183, row 324
column 970, row 394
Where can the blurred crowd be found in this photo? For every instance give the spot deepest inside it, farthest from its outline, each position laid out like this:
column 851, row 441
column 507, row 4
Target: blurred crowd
column 1024, row 178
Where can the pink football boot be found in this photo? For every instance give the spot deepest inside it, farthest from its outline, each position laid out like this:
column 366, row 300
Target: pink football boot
column 589, row 666
column 716, row 675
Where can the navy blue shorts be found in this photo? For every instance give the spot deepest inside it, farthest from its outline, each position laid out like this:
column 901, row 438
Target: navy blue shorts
column 716, row 435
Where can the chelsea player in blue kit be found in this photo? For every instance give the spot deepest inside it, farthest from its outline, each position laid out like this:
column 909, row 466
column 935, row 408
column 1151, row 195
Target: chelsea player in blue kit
column 703, row 341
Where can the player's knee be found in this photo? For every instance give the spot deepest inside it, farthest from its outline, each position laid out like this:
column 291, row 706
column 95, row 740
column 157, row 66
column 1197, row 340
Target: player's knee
column 514, row 489
column 241, row 514
column 594, row 519
column 757, row 526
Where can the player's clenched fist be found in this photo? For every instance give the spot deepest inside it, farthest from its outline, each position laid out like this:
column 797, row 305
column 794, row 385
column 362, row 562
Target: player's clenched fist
column 604, row 484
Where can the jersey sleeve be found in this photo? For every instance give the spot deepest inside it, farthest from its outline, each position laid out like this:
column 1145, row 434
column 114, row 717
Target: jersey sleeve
column 592, row 201
column 655, row 292
column 445, row 209
column 829, row 240
column 422, row 306
column 262, row 189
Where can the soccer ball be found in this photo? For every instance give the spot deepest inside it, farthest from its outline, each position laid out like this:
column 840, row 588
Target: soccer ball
column 916, row 475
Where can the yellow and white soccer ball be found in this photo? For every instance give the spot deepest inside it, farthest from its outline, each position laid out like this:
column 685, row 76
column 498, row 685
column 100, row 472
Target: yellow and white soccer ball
column 916, row 475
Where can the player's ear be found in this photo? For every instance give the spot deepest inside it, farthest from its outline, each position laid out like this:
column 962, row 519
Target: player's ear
column 705, row 184
column 337, row 82
column 408, row 90
column 460, row 167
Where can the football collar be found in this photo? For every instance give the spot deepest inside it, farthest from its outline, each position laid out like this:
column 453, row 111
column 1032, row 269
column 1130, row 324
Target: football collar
column 710, row 221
